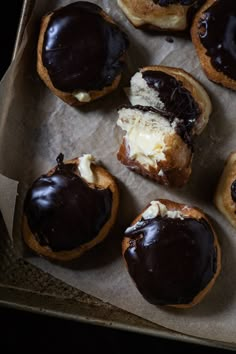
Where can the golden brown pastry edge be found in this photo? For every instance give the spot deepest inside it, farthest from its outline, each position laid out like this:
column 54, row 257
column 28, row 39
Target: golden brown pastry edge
column 143, row 13
column 68, row 97
column 103, row 180
column 212, row 74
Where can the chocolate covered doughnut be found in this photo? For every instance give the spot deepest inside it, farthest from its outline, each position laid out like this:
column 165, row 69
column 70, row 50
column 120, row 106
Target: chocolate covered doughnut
column 168, row 109
column 70, row 209
column 214, row 36
column 172, row 254
column 80, row 52
column 162, row 15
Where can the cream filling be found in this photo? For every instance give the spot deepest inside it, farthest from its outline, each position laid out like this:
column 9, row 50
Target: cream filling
column 146, row 146
column 155, row 209
column 167, row 22
column 82, row 96
column 145, row 135
column 145, row 131
column 85, row 168
column 172, row 20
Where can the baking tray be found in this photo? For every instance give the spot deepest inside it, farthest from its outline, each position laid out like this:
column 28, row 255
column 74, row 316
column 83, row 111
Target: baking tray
column 23, row 286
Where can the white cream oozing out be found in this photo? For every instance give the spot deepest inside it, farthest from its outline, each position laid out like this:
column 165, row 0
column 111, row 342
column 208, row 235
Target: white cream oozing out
column 171, row 20
column 145, row 135
column 155, row 209
column 145, row 131
column 82, row 96
column 85, row 168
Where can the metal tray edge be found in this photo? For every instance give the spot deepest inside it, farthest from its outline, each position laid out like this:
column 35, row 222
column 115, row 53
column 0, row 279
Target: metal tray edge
column 17, row 298
column 20, row 299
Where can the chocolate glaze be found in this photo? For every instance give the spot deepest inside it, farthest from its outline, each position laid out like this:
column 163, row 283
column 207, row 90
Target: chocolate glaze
column 217, row 32
column 81, row 50
column 178, row 101
column 233, row 191
column 193, row 9
column 171, row 260
column 63, row 212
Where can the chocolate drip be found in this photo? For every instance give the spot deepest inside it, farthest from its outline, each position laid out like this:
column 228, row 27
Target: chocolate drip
column 178, row 101
column 233, row 191
column 217, row 32
column 171, row 260
column 82, row 50
column 63, row 212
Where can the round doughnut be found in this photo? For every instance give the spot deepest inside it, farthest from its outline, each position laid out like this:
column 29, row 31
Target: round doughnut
column 214, row 36
column 172, row 254
column 81, row 52
column 70, row 209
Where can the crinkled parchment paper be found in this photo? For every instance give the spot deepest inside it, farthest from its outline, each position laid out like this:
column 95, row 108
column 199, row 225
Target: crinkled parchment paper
column 36, row 126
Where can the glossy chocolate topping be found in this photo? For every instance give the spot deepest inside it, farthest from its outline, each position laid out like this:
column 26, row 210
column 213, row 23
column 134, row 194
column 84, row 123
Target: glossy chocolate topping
column 233, row 191
column 217, row 32
column 171, row 260
column 193, row 9
column 63, row 212
column 81, row 50
column 179, row 102
column 171, row 2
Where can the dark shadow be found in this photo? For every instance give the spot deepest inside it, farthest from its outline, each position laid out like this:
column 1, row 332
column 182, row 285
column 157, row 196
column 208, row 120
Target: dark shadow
column 154, row 33
column 104, row 105
column 6, row 250
column 47, row 6
column 207, row 164
column 137, row 56
column 223, row 294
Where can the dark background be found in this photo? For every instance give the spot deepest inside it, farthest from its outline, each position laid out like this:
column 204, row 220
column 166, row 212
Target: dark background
column 33, row 333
